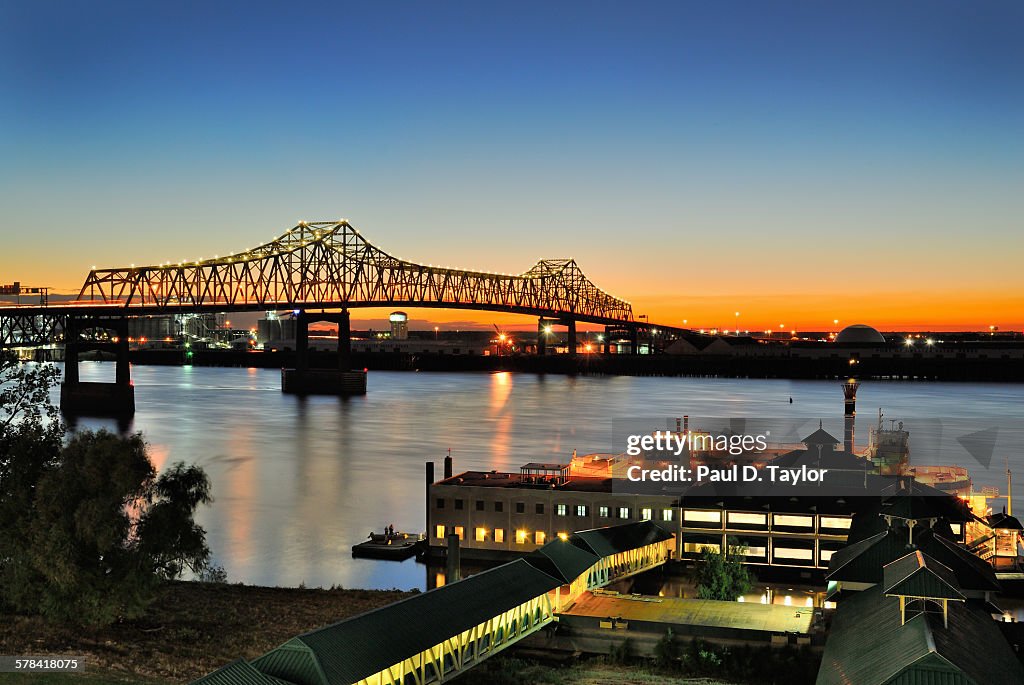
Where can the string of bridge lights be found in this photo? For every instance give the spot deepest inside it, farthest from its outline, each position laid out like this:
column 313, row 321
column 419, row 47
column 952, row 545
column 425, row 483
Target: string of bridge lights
column 320, row 234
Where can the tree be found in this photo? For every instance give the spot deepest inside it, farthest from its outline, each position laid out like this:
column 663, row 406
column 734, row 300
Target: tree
column 31, row 435
column 722, row 575
column 95, row 529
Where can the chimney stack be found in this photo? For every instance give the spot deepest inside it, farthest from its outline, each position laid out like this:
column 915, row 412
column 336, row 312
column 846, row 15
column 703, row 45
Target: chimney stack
column 430, row 481
column 448, row 465
column 849, row 412
column 686, row 423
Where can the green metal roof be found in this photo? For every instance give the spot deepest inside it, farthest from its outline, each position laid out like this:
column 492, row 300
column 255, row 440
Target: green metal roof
column 239, row 672
column 604, row 542
column 563, row 560
column 360, row 646
column 920, row 505
column 917, row 575
column 867, row 645
column 863, row 561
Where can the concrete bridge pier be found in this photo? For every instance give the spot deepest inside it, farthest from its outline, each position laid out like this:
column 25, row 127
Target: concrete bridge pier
column 305, row 380
column 571, row 337
column 79, row 398
column 344, row 341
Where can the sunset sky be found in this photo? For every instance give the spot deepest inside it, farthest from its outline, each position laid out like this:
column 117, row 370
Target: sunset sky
column 798, row 162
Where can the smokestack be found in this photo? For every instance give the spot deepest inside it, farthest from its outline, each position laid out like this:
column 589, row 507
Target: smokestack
column 448, row 465
column 679, row 425
column 430, row 481
column 453, row 564
column 686, row 423
column 849, row 412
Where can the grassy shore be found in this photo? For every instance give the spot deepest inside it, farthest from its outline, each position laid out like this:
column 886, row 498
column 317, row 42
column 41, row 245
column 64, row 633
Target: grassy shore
column 192, row 629
column 509, row 670
column 195, row 628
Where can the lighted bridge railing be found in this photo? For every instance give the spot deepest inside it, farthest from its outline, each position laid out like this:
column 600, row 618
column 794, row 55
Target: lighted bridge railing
column 329, row 264
column 435, row 636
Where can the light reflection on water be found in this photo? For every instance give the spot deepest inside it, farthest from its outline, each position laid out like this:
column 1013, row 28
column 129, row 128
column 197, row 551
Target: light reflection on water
column 298, row 481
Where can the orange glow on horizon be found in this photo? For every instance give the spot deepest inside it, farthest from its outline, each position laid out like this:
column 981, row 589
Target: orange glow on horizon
column 937, row 310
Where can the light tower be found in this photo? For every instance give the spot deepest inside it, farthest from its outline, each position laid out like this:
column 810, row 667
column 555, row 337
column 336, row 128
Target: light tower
column 849, row 412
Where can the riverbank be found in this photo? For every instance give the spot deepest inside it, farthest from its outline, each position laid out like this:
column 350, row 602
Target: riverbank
column 191, row 629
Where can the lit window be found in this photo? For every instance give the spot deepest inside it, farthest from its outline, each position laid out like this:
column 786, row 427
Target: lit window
column 581, row 509
column 740, row 518
column 481, row 534
column 793, row 521
column 666, row 514
column 560, row 509
column 698, row 547
column 602, row 512
column 646, row 514
column 755, row 551
column 793, row 553
column 459, row 530
column 538, row 537
column 520, row 537
column 623, row 512
column 563, row 536
column 440, row 531
column 826, row 554
column 835, row 522
column 956, row 528
column 702, row 516
column 499, row 535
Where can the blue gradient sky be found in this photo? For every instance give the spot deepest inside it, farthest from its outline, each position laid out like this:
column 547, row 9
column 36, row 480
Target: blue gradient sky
column 799, row 162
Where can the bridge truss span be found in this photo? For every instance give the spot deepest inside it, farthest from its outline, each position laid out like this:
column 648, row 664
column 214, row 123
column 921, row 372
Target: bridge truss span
column 331, row 265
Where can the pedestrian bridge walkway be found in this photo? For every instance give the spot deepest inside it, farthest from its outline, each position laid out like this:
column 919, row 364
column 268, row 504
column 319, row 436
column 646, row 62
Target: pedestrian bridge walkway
column 433, row 637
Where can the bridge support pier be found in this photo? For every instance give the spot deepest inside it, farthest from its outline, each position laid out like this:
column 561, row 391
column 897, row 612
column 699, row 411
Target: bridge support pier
column 543, row 333
column 304, row 380
column 97, row 398
column 571, row 337
column 634, row 340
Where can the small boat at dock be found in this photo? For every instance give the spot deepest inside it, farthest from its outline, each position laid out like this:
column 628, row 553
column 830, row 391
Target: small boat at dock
column 391, row 545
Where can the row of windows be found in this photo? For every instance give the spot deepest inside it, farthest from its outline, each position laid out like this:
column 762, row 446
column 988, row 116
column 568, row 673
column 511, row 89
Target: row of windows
column 481, row 534
column 646, row 513
column 779, row 553
column 754, row 519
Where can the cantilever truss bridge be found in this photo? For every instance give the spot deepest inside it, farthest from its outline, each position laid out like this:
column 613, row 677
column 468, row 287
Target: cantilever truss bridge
column 318, row 265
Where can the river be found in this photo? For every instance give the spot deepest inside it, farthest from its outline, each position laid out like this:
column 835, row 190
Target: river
column 298, row 481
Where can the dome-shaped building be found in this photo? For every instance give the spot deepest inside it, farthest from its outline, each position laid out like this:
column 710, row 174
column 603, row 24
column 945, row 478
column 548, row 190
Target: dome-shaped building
column 860, row 334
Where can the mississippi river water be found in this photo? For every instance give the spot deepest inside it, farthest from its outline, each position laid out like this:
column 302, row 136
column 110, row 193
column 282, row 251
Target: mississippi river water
column 298, row 481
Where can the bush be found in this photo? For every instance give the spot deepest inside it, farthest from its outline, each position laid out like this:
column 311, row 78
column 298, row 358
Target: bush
column 90, row 529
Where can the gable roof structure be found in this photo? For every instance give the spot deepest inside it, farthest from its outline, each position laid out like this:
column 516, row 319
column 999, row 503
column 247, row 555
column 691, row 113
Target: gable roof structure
column 868, row 645
column 562, row 560
column 864, row 560
column 604, row 542
column 916, row 575
column 358, row 647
